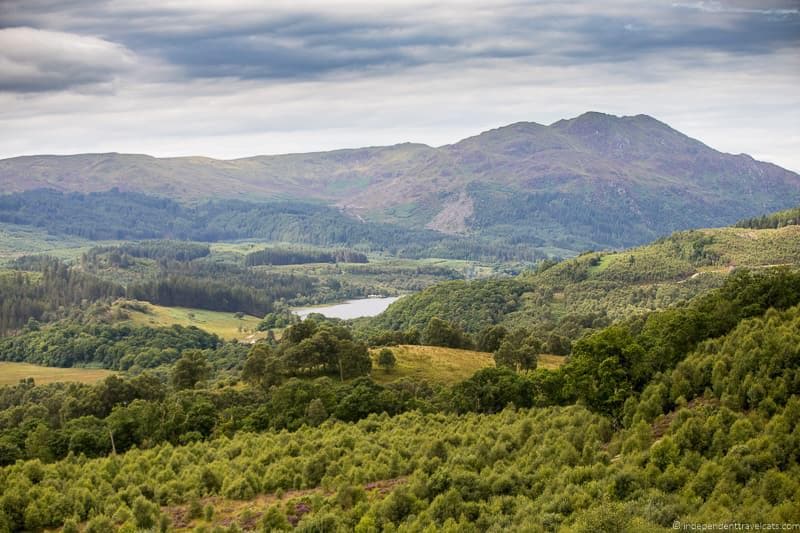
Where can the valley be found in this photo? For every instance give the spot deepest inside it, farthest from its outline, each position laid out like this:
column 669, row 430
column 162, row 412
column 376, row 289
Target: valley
column 399, row 267
column 175, row 363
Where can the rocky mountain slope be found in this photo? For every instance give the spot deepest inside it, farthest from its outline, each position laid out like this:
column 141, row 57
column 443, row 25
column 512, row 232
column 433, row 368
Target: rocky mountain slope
column 592, row 181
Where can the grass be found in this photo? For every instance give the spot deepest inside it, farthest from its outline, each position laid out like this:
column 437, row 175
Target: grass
column 12, row 373
column 223, row 324
column 431, row 363
column 551, row 362
column 441, row 365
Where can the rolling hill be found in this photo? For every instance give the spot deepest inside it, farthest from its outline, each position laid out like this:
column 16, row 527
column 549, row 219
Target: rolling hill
column 599, row 288
column 593, row 181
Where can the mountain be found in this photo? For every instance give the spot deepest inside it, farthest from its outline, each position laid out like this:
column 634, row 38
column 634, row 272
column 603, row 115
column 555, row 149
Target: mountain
column 593, row 181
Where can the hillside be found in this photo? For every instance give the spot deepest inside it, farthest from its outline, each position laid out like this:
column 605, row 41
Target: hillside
column 690, row 446
column 598, row 288
column 592, row 181
column 680, row 414
column 227, row 326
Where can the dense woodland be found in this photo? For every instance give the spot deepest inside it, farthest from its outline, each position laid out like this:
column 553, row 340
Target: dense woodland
column 687, row 414
column 284, row 256
column 120, row 255
column 120, row 215
column 780, row 219
column 50, row 288
column 47, row 292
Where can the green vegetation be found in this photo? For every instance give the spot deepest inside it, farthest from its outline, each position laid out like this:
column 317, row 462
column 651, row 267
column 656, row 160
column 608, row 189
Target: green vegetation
column 386, row 359
column 732, row 452
column 308, row 349
column 126, row 216
column 432, row 364
column 46, row 294
column 123, row 215
column 789, row 217
column 279, row 256
column 227, row 326
column 119, row 347
column 615, row 392
column 471, row 305
column 17, row 240
column 13, row 373
column 595, row 289
column 121, row 255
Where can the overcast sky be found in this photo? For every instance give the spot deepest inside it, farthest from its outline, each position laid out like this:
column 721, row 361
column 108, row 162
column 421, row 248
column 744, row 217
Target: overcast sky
column 233, row 78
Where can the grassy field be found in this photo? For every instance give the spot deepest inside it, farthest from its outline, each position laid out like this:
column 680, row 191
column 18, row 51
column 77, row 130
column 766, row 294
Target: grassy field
column 12, row 373
column 432, row 363
column 224, row 324
column 441, row 365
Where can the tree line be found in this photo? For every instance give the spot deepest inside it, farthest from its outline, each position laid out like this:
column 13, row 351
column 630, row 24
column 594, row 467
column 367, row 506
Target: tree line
column 288, row 256
column 54, row 290
column 155, row 249
column 47, row 292
column 789, row 217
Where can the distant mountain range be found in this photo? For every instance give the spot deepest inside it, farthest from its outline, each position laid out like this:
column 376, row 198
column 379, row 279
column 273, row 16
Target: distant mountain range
column 593, row 181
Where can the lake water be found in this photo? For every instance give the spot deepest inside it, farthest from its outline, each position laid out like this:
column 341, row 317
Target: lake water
column 350, row 309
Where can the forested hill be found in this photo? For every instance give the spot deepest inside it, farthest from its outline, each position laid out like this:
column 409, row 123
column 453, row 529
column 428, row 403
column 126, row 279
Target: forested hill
column 122, row 215
column 567, row 299
column 589, row 182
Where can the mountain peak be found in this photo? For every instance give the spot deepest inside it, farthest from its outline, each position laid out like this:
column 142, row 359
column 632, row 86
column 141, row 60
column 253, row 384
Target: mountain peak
column 597, row 118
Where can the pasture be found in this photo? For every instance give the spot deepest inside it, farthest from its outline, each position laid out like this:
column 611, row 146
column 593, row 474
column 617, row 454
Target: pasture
column 12, row 373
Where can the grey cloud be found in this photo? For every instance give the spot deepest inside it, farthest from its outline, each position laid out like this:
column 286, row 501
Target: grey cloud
column 298, row 44
column 34, row 60
column 297, row 47
column 233, row 78
column 612, row 39
column 753, row 8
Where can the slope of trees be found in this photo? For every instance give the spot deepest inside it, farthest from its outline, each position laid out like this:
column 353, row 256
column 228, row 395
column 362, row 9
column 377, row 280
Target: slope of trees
column 471, row 305
column 46, row 292
column 124, row 215
column 579, row 295
column 544, row 468
column 156, row 249
column 184, row 291
column 780, row 219
column 116, row 215
column 688, row 414
column 113, row 346
column 50, row 290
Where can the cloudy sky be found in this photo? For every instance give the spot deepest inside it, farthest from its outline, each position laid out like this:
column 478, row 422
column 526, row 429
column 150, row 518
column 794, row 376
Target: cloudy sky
column 229, row 78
